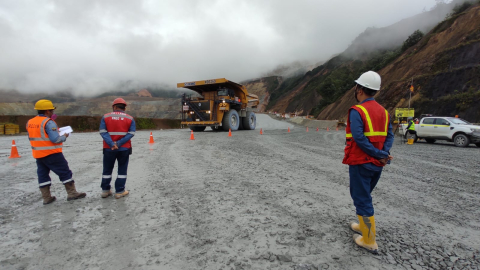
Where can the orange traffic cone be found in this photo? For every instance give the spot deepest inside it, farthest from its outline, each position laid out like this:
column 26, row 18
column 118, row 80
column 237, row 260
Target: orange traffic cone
column 229, row 132
column 14, row 153
column 261, row 132
column 337, row 129
column 307, row 129
column 151, row 138
column 288, row 129
column 191, row 136
column 328, row 129
column 317, row 128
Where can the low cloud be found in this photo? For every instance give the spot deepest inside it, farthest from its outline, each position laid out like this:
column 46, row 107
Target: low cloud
column 92, row 46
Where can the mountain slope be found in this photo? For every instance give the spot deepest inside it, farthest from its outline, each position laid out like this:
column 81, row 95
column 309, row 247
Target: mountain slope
column 444, row 67
column 324, row 91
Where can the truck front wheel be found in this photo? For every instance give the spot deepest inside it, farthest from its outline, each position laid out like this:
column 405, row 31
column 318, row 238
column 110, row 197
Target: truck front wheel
column 250, row 121
column 461, row 140
column 231, row 120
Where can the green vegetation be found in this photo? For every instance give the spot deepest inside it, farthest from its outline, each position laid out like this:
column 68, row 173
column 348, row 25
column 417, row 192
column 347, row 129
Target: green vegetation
column 412, row 40
column 145, row 123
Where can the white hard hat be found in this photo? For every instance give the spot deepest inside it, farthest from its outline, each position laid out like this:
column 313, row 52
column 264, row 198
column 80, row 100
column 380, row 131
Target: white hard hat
column 370, row 80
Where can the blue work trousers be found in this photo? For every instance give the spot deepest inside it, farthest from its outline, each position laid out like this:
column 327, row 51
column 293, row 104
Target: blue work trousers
column 362, row 183
column 56, row 163
column 109, row 158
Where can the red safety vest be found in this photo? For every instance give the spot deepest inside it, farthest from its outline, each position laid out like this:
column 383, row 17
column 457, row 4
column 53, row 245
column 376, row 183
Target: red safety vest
column 375, row 127
column 118, row 124
column 41, row 144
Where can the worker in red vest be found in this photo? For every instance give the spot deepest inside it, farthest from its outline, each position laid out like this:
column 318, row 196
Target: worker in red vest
column 47, row 150
column 116, row 129
column 369, row 139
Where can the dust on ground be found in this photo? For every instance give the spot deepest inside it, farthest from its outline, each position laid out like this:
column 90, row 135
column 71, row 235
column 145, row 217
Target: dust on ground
column 274, row 201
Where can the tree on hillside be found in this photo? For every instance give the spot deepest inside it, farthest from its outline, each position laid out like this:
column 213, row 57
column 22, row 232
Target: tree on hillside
column 412, row 40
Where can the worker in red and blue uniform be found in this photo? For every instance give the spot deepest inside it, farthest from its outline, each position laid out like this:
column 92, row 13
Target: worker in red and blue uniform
column 369, row 140
column 117, row 129
column 47, row 145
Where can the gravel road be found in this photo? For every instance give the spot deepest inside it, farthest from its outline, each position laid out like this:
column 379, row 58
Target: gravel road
column 274, row 201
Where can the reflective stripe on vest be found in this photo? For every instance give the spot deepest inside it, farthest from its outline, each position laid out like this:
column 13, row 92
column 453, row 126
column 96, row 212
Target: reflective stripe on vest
column 370, row 126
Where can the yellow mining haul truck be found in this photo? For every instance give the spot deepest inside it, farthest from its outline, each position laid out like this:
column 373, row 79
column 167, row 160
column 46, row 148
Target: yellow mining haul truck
column 222, row 104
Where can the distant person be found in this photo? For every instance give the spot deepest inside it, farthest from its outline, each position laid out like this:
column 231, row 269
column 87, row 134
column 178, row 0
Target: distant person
column 411, row 127
column 116, row 129
column 369, row 139
column 47, row 150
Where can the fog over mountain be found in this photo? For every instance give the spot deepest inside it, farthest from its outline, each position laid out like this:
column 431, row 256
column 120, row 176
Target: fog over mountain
column 89, row 47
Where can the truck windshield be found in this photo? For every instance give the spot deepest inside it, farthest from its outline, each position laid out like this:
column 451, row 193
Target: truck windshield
column 458, row 121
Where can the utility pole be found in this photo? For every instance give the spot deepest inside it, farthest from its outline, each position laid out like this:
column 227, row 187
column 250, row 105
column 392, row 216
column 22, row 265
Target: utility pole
column 411, row 90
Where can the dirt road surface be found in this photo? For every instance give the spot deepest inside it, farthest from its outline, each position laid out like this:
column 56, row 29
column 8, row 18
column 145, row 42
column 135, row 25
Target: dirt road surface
column 274, row 201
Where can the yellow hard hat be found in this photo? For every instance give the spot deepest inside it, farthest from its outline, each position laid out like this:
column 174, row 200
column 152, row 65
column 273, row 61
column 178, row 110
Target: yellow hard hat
column 44, row 105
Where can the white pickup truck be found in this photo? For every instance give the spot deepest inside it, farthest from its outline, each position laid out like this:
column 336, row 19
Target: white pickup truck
column 451, row 129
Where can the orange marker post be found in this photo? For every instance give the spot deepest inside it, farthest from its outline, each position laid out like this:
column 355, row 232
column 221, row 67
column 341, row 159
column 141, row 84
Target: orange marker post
column 191, row 136
column 14, row 152
column 151, row 138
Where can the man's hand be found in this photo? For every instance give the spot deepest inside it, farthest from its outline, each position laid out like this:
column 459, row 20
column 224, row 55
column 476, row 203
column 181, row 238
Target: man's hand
column 115, row 146
column 384, row 161
column 66, row 135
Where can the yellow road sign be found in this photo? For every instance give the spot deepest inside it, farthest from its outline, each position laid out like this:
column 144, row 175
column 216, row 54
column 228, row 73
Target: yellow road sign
column 404, row 112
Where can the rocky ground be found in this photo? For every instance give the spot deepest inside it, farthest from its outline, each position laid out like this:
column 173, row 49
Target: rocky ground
column 274, row 201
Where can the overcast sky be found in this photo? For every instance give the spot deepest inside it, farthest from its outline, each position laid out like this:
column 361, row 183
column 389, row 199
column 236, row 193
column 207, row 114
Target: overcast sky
column 92, row 45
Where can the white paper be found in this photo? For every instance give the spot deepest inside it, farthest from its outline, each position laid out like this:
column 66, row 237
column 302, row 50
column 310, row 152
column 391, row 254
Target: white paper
column 63, row 130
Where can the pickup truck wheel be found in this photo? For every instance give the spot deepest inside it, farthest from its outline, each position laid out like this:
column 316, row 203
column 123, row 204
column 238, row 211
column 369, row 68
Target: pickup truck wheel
column 250, row 121
column 461, row 140
column 430, row 140
column 231, row 120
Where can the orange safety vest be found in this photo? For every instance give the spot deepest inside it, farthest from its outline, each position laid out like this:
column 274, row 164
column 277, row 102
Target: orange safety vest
column 375, row 127
column 41, row 144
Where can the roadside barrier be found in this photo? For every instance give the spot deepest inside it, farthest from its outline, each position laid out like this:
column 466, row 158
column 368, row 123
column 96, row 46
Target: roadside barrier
column 14, row 152
column 151, row 138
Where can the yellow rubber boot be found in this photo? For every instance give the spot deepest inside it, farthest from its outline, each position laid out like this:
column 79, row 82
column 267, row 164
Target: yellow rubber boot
column 367, row 239
column 355, row 227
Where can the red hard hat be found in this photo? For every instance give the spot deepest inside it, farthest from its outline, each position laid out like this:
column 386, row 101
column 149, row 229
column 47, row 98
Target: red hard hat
column 119, row 101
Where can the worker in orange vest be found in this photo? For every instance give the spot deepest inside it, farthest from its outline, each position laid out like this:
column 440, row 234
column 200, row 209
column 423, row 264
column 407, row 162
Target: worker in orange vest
column 369, row 139
column 47, row 150
column 116, row 129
